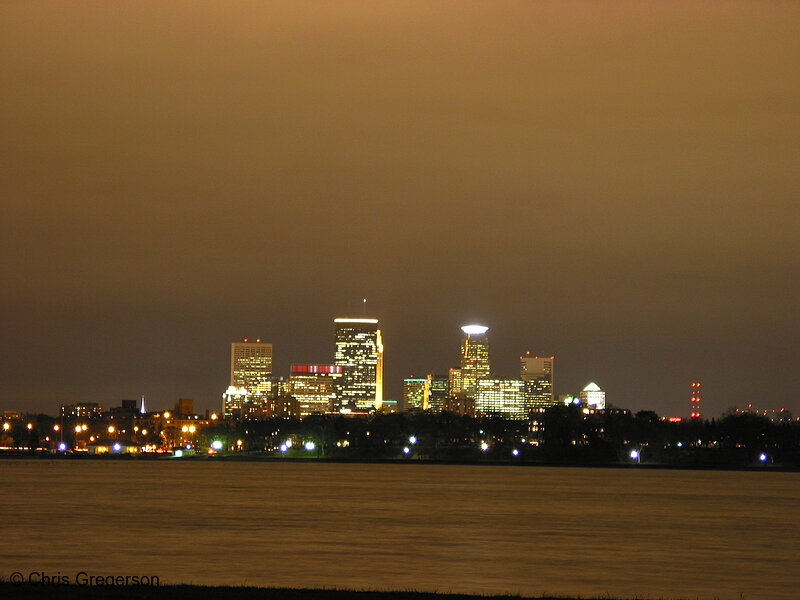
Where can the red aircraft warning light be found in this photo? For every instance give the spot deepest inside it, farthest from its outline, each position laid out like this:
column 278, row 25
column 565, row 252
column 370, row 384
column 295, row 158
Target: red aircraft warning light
column 695, row 402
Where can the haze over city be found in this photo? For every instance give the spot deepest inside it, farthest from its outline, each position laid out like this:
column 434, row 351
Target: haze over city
column 615, row 186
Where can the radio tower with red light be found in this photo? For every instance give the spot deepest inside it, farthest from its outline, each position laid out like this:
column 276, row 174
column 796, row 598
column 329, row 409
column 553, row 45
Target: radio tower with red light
column 695, row 412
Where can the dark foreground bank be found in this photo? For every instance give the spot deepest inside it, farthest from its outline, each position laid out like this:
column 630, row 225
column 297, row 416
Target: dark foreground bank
column 194, row 592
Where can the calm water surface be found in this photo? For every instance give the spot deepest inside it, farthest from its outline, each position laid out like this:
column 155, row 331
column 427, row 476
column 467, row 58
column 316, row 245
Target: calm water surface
column 626, row 533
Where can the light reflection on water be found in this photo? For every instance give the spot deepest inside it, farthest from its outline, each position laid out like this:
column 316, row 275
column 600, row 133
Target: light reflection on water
column 485, row 529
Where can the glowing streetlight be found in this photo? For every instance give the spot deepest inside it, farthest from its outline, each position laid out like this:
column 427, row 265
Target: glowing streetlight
column 310, row 446
column 484, row 446
column 6, row 426
column 412, row 439
column 636, row 455
column 111, row 429
column 763, row 457
column 406, row 450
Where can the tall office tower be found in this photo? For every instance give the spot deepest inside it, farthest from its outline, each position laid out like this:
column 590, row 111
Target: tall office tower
column 474, row 357
column 359, row 351
column 416, row 393
column 695, row 401
column 454, row 386
column 313, row 387
column 504, row 398
column 537, row 373
column 437, row 385
column 592, row 395
column 251, row 368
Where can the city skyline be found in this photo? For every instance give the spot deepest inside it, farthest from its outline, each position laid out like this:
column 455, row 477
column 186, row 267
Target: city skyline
column 359, row 346
column 614, row 185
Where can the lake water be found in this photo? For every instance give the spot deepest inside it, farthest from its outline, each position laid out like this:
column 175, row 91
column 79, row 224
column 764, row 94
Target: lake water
column 481, row 529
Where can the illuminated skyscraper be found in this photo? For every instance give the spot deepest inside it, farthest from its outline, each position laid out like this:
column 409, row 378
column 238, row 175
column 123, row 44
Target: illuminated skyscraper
column 504, row 398
column 537, row 373
column 437, row 395
column 474, row 357
column 454, row 386
column 695, row 401
column 416, row 393
column 359, row 351
column 251, row 368
column 313, row 387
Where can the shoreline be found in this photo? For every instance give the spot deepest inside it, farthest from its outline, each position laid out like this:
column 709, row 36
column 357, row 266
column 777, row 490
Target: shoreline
column 200, row 592
column 242, row 457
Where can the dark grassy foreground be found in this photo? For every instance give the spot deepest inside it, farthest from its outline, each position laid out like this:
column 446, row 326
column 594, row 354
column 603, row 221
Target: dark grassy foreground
column 195, row 592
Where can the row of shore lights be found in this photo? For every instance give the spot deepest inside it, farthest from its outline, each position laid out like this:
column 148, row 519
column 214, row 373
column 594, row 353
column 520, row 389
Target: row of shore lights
column 216, row 445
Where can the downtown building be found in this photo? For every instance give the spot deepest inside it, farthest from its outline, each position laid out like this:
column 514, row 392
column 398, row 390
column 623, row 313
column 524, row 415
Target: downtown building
column 474, row 359
column 425, row 393
column 593, row 397
column 537, row 373
column 416, row 393
column 501, row 397
column 251, row 382
column 313, row 388
column 359, row 353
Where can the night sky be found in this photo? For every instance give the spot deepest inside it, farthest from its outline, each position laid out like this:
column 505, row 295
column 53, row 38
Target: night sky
column 614, row 183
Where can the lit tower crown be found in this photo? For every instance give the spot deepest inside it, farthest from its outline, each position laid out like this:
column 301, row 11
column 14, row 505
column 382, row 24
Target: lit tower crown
column 359, row 351
column 474, row 357
column 695, row 401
